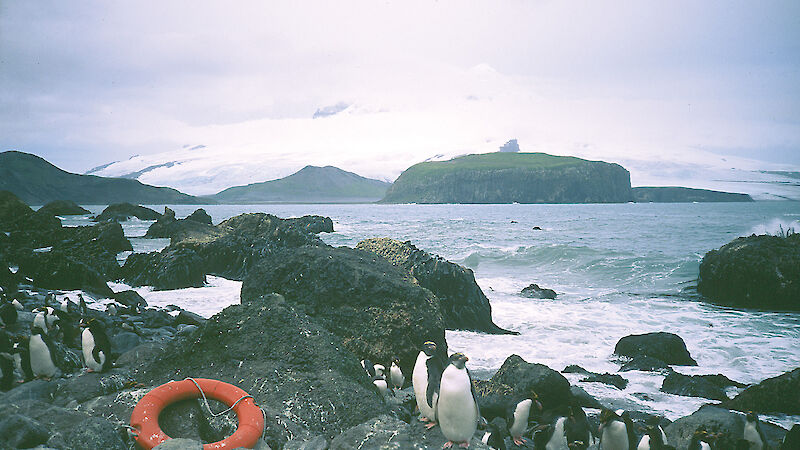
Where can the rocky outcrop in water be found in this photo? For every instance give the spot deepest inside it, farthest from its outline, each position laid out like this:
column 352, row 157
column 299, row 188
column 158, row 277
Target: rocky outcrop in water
column 63, row 208
column 779, row 394
column 671, row 194
column 167, row 226
column 667, row 347
column 706, row 386
column 754, row 272
column 461, row 300
column 200, row 216
column 534, row 291
column 120, row 212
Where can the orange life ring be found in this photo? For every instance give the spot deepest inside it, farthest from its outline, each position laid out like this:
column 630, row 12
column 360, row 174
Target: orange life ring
column 144, row 419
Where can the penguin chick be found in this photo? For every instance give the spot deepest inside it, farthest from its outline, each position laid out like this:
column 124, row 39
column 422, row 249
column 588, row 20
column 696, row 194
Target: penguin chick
column 396, row 374
column 425, row 379
column 95, row 345
column 457, row 409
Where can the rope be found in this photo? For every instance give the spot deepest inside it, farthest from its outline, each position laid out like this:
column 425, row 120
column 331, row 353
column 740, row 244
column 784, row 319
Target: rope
column 208, row 407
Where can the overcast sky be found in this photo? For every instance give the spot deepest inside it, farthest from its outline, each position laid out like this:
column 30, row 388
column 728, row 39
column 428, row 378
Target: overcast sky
column 86, row 83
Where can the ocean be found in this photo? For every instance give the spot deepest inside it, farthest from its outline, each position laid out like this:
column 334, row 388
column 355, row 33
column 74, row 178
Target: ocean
column 618, row 269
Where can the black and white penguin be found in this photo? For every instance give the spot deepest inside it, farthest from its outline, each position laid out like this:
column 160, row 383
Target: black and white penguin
column 495, row 434
column 67, row 327
column 425, row 378
column 753, row 432
column 653, row 439
column 457, row 409
column 22, row 359
column 699, row 441
column 17, row 305
column 550, row 436
column 82, row 306
column 39, row 320
column 396, row 374
column 40, row 351
column 381, row 384
column 518, row 415
column 111, row 309
column 379, row 370
column 616, row 430
column 6, row 362
column 68, row 306
column 576, row 429
column 95, row 345
column 8, row 314
column 368, row 367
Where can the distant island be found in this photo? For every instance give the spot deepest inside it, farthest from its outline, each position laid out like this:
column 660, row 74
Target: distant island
column 36, row 182
column 512, row 178
column 671, row 194
column 310, row 184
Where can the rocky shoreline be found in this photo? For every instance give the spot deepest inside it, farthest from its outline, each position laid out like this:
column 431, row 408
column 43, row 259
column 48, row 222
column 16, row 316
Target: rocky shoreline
column 309, row 314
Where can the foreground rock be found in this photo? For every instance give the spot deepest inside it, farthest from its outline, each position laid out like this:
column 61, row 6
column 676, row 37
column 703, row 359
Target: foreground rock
column 385, row 432
column 463, row 304
column 714, row 420
column 120, row 212
column 63, row 208
column 754, row 272
column 534, row 291
column 523, row 377
column 296, row 370
column 667, row 347
column 779, row 394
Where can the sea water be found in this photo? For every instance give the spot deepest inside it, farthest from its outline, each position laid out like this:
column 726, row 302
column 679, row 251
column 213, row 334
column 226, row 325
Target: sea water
column 618, row 269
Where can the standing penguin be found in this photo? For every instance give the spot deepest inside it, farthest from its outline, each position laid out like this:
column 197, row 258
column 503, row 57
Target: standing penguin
column 95, row 345
column 40, row 350
column 8, row 313
column 425, row 379
column 82, row 306
column 381, row 384
column 616, row 431
column 39, row 320
column 66, row 325
column 396, row 375
column 753, row 432
column 518, row 415
column 6, row 362
column 653, row 439
column 457, row 409
column 22, row 357
column 576, row 429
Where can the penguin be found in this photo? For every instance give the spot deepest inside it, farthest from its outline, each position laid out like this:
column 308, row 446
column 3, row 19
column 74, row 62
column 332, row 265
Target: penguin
column 40, row 320
column 616, row 431
column 576, row 429
column 17, row 305
column 550, row 436
column 82, row 306
column 368, row 367
column 653, row 439
column 495, row 434
column 6, row 362
column 66, row 325
column 379, row 369
column 457, row 409
column 111, row 309
column 425, row 378
column 396, row 374
column 753, row 432
column 68, row 306
column 8, row 314
column 22, row 358
column 41, row 355
column 381, row 384
column 698, row 441
column 518, row 415
column 95, row 345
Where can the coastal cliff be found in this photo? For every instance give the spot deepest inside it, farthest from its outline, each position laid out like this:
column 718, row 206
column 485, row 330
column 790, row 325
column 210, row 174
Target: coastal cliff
column 512, row 177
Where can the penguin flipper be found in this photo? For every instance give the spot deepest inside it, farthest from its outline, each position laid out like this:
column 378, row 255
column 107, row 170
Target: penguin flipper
column 434, row 381
column 474, row 395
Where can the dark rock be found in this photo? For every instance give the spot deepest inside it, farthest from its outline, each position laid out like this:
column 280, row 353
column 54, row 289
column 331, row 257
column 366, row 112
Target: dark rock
column 692, row 386
column 280, row 357
column 140, row 354
column 131, row 299
column 63, row 208
column 674, row 194
column 371, row 304
column 713, row 419
column 32, row 231
column 156, row 318
column 56, row 270
column 574, row 368
column 11, row 209
column 200, row 216
column 792, row 438
column 88, row 386
column 169, row 227
column 385, row 432
column 667, row 347
column 463, row 304
column 584, row 399
column 607, row 378
column 534, row 291
column 189, row 318
column 779, row 394
column 124, row 341
column 119, row 212
column 185, row 330
column 313, row 443
column 493, row 398
column 96, row 246
column 174, row 269
column 94, row 433
column 553, row 389
column 18, row 431
column 188, row 419
column 754, row 272
column 311, row 224
column 38, row 390
column 645, row 363
column 179, row 444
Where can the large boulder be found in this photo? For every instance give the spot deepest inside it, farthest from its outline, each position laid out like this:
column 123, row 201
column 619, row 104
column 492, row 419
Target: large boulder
column 11, row 208
column 289, row 364
column 63, row 208
column 754, row 272
column 706, row 386
column 174, row 268
column 463, row 304
column 552, row 388
column 372, row 305
column 716, row 420
column 58, row 270
column 34, row 230
column 120, row 212
column 667, row 347
column 779, row 394
column 388, row 433
column 96, row 246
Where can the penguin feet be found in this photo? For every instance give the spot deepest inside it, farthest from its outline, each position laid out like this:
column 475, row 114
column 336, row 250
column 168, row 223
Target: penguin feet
column 464, row 444
column 430, row 425
column 518, row 441
column 447, row 444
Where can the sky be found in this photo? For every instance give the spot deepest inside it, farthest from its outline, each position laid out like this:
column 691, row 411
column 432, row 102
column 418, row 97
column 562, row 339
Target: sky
column 670, row 90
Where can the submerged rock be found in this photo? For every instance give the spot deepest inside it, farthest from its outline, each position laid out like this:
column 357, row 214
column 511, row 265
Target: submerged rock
column 779, row 394
column 645, row 363
column 462, row 302
column 120, row 212
column 534, row 291
column 754, row 272
column 64, row 208
column 667, row 347
column 713, row 419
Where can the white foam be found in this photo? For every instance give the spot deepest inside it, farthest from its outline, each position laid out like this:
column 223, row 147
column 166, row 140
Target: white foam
column 208, row 300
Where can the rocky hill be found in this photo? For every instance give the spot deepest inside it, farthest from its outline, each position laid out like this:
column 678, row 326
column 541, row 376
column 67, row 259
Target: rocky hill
column 512, row 177
column 310, row 184
column 36, row 182
column 670, row 194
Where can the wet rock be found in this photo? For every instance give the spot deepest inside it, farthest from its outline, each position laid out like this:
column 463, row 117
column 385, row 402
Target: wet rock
column 94, row 433
column 583, row 398
column 185, row 330
column 63, row 208
column 534, row 291
column 282, row 358
column 56, row 270
column 553, row 389
column 667, row 347
column 189, row 318
column 140, row 354
column 174, row 269
column 156, row 318
column 131, row 299
column 201, row 216
column 96, row 246
column 311, row 224
column 754, row 272
column 33, row 231
column 371, row 304
column 179, row 444
column 607, row 378
column 692, row 386
column 120, row 212
column 385, row 432
column 713, row 419
column 462, row 302
column 493, row 398
column 39, row 390
column 18, row 431
column 646, row 364
column 574, row 368
column 124, row 341
column 779, row 394
column 167, row 226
